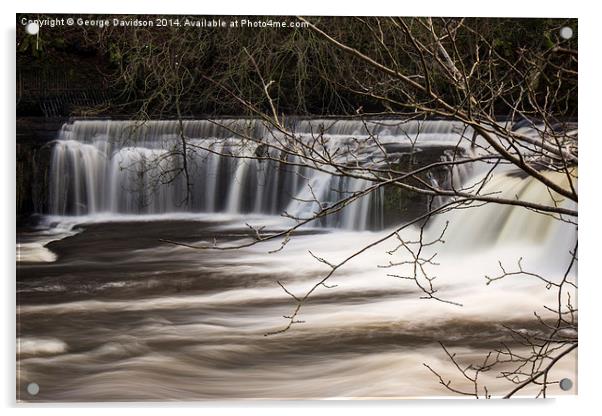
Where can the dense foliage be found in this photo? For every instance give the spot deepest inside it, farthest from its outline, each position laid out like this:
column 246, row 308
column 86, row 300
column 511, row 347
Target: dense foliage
column 208, row 70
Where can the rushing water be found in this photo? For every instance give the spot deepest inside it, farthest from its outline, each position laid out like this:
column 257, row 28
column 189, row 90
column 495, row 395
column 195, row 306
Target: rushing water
column 131, row 168
column 107, row 311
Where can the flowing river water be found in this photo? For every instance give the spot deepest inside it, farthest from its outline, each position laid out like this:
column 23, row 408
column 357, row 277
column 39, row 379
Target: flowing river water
column 108, row 310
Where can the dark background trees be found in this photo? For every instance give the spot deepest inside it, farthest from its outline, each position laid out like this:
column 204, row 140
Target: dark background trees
column 136, row 68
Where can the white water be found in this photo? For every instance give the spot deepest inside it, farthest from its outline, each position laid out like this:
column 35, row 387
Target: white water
column 369, row 340
column 366, row 337
column 124, row 167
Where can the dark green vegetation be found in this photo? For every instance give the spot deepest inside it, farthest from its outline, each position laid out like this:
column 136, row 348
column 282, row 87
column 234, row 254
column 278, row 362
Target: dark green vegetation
column 207, row 71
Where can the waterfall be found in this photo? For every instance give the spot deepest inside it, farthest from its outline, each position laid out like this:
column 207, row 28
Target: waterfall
column 134, row 167
column 498, row 225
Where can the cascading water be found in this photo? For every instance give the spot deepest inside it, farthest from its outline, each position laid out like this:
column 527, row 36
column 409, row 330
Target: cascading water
column 128, row 309
column 496, row 225
column 125, row 167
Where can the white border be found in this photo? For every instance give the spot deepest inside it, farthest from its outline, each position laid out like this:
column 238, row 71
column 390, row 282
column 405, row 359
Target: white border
column 590, row 291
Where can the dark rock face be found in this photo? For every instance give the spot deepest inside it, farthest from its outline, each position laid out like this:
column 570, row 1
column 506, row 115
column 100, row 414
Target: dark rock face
column 401, row 205
column 33, row 151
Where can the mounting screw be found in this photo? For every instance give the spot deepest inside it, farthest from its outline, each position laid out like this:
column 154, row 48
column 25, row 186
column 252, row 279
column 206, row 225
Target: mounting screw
column 32, row 28
column 566, row 384
column 566, row 32
column 33, row 389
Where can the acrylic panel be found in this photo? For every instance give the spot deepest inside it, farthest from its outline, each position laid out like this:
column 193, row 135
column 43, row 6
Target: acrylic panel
column 282, row 207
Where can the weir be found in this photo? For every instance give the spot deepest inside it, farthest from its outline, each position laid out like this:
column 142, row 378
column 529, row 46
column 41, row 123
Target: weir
column 240, row 166
column 129, row 167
